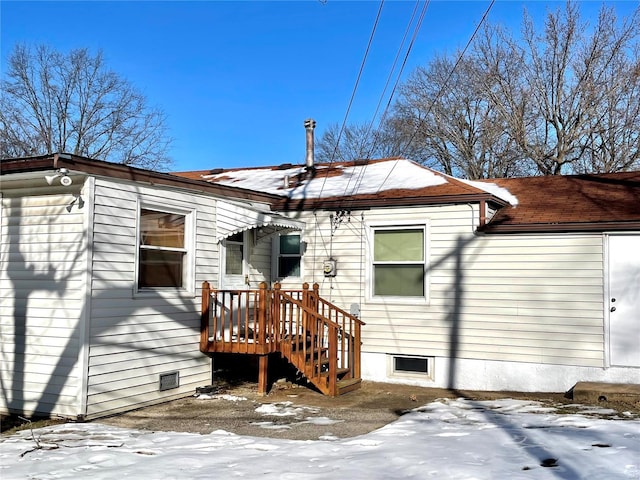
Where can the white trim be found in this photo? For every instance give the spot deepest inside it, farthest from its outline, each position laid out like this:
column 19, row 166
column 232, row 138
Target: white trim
column 84, row 330
column 605, row 303
column 422, row 376
column 188, row 289
column 394, row 300
column 230, row 282
column 275, row 256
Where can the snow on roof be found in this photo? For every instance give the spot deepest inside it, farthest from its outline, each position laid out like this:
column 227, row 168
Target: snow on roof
column 495, row 190
column 332, row 180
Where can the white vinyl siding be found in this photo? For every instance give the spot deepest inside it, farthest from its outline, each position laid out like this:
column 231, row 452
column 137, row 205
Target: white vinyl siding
column 135, row 338
column 520, row 298
column 42, row 297
column 259, row 260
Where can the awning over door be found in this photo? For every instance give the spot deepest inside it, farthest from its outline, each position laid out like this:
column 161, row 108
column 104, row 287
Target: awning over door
column 232, row 218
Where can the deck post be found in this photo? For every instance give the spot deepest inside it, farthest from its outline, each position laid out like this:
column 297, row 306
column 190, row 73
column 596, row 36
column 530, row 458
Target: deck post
column 306, row 303
column 275, row 315
column 357, row 349
column 262, row 315
column 305, row 294
column 333, row 362
column 204, row 316
column 316, row 296
column 263, row 368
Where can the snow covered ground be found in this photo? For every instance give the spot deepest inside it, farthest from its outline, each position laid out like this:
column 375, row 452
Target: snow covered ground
column 448, row 439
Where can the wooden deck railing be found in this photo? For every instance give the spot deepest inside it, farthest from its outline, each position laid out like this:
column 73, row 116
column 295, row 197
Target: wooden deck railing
column 321, row 340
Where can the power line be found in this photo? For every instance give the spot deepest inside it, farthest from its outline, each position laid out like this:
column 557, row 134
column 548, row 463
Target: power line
column 353, row 93
column 417, row 28
column 444, row 86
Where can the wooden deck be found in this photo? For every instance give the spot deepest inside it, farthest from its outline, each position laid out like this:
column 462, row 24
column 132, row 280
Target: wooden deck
column 321, row 340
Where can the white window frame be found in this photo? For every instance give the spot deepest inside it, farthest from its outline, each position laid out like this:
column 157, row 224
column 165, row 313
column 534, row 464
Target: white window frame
column 188, row 280
column 391, row 299
column 392, row 372
column 275, row 256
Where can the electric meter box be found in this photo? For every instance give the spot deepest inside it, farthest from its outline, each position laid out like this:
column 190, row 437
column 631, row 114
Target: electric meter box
column 329, row 268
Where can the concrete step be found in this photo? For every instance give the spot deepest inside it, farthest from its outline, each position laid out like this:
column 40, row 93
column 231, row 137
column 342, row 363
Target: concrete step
column 594, row 393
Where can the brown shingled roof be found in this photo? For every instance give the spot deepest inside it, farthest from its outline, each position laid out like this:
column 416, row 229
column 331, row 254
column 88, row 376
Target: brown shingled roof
column 450, row 191
column 598, row 202
column 570, row 203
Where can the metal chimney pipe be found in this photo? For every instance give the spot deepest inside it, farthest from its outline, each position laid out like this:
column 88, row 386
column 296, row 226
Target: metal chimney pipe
column 309, row 125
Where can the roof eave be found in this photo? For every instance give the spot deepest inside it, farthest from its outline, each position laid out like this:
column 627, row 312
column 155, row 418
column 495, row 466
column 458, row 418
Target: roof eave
column 346, row 203
column 590, row 227
column 125, row 172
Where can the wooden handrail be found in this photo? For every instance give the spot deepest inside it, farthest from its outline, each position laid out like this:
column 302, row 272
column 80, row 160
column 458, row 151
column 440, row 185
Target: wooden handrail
column 320, row 339
column 321, row 300
column 330, row 331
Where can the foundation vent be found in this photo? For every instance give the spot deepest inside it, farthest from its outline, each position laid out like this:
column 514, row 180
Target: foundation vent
column 169, row 381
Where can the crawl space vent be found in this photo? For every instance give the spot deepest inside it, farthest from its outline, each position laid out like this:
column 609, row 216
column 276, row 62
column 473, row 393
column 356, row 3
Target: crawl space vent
column 169, row 381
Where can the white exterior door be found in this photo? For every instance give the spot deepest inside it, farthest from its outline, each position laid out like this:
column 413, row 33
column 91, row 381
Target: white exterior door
column 234, row 262
column 233, row 279
column 624, row 300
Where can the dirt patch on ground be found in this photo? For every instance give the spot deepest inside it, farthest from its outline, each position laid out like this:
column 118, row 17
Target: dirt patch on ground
column 296, row 412
column 299, row 413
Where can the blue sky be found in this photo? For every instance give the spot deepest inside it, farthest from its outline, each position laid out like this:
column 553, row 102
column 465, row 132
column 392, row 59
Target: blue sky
column 237, row 79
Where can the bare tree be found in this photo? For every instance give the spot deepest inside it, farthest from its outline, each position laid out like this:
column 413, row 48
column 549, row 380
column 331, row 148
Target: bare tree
column 562, row 101
column 450, row 123
column 569, row 95
column 354, row 142
column 54, row 102
column 613, row 142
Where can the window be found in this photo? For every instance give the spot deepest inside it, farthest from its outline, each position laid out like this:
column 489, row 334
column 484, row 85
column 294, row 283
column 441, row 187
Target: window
column 234, row 254
column 288, row 254
column 399, row 265
column 410, row 364
column 401, row 365
column 162, row 259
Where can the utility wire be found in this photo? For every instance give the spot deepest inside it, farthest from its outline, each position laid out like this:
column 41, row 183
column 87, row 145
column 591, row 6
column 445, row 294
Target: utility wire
column 360, row 177
column 444, row 86
column 417, row 28
column 353, row 94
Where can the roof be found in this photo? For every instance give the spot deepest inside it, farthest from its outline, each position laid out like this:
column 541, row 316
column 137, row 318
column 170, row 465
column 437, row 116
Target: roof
column 384, row 182
column 597, row 202
column 82, row 165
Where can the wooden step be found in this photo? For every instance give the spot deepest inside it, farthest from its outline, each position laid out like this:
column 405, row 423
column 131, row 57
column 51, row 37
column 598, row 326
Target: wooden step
column 339, row 372
column 318, row 363
column 348, row 385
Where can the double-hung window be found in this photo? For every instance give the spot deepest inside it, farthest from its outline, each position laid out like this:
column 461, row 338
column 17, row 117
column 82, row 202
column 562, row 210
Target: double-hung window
column 288, row 254
column 163, row 249
column 399, row 261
